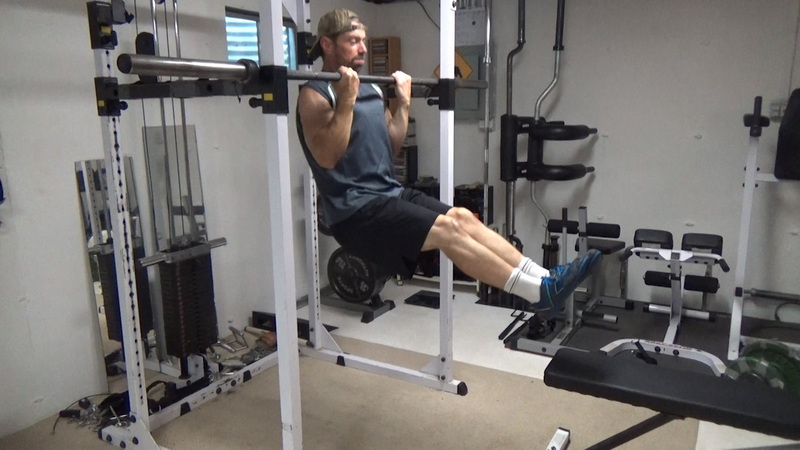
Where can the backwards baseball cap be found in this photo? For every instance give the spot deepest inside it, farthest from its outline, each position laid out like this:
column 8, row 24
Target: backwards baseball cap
column 331, row 25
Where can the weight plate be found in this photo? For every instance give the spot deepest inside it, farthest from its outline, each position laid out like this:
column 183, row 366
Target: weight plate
column 761, row 346
column 353, row 278
column 755, row 370
column 782, row 357
column 322, row 222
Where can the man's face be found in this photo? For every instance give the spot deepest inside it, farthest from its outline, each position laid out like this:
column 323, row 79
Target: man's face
column 350, row 49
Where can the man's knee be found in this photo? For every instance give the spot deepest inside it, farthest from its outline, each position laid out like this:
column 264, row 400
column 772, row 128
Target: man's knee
column 448, row 225
column 462, row 215
column 444, row 232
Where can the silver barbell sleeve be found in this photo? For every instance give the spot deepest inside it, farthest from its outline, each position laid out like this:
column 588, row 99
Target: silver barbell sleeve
column 242, row 70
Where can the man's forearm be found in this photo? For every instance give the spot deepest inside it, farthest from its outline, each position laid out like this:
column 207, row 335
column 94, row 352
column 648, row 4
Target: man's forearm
column 398, row 127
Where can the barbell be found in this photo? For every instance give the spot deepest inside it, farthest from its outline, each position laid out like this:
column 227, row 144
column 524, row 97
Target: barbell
column 246, row 70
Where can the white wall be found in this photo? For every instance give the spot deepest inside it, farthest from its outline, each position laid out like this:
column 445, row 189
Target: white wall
column 48, row 323
column 666, row 83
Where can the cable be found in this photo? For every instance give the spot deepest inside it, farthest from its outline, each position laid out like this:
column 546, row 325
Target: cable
column 136, row 23
column 53, row 431
column 429, row 16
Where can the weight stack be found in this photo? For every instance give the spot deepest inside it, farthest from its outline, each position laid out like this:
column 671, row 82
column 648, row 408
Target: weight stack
column 108, row 281
column 190, row 315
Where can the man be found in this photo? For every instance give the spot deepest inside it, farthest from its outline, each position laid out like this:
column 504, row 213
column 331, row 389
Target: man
column 349, row 139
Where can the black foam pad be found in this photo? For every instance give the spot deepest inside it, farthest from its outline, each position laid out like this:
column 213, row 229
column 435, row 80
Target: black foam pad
column 644, row 236
column 656, row 278
column 787, row 158
column 560, row 132
column 699, row 283
column 604, row 246
column 548, row 172
column 603, row 230
column 557, row 226
column 749, row 406
column 711, row 243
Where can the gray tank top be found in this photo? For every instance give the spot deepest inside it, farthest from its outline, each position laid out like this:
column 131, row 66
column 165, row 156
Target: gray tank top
column 366, row 171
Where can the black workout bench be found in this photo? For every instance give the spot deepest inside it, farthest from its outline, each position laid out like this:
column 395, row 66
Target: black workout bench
column 675, row 394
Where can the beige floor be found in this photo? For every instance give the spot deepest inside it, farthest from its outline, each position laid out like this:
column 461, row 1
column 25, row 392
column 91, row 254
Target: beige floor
column 507, row 407
column 345, row 408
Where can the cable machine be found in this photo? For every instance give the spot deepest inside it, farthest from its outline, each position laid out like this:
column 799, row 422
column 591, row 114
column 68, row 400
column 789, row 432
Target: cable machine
column 269, row 83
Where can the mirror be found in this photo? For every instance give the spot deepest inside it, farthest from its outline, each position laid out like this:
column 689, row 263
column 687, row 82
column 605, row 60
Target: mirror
column 169, row 306
column 93, row 193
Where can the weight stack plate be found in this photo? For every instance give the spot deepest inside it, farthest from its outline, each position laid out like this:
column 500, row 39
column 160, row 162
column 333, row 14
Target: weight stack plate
column 108, row 281
column 206, row 308
column 190, row 317
column 179, row 312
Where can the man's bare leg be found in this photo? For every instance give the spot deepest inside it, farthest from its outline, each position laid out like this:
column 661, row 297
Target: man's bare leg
column 479, row 261
column 485, row 236
column 495, row 243
column 472, row 257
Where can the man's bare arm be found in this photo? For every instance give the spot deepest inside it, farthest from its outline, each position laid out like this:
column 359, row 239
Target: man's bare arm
column 397, row 120
column 326, row 130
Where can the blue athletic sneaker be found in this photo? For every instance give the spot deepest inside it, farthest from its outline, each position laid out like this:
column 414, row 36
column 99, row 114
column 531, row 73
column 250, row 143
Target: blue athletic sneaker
column 588, row 263
column 555, row 290
column 559, row 270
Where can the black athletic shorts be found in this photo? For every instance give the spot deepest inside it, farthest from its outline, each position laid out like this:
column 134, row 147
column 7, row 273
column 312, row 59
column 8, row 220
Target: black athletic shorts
column 390, row 231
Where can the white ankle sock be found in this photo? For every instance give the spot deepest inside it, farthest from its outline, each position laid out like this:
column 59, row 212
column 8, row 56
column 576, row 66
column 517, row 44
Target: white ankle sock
column 523, row 285
column 531, row 268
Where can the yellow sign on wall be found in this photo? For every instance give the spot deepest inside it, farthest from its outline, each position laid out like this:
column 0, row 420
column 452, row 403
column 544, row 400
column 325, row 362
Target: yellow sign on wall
column 461, row 70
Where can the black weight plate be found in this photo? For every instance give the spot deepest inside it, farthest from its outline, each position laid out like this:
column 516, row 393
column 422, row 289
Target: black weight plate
column 322, row 222
column 352, row 278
